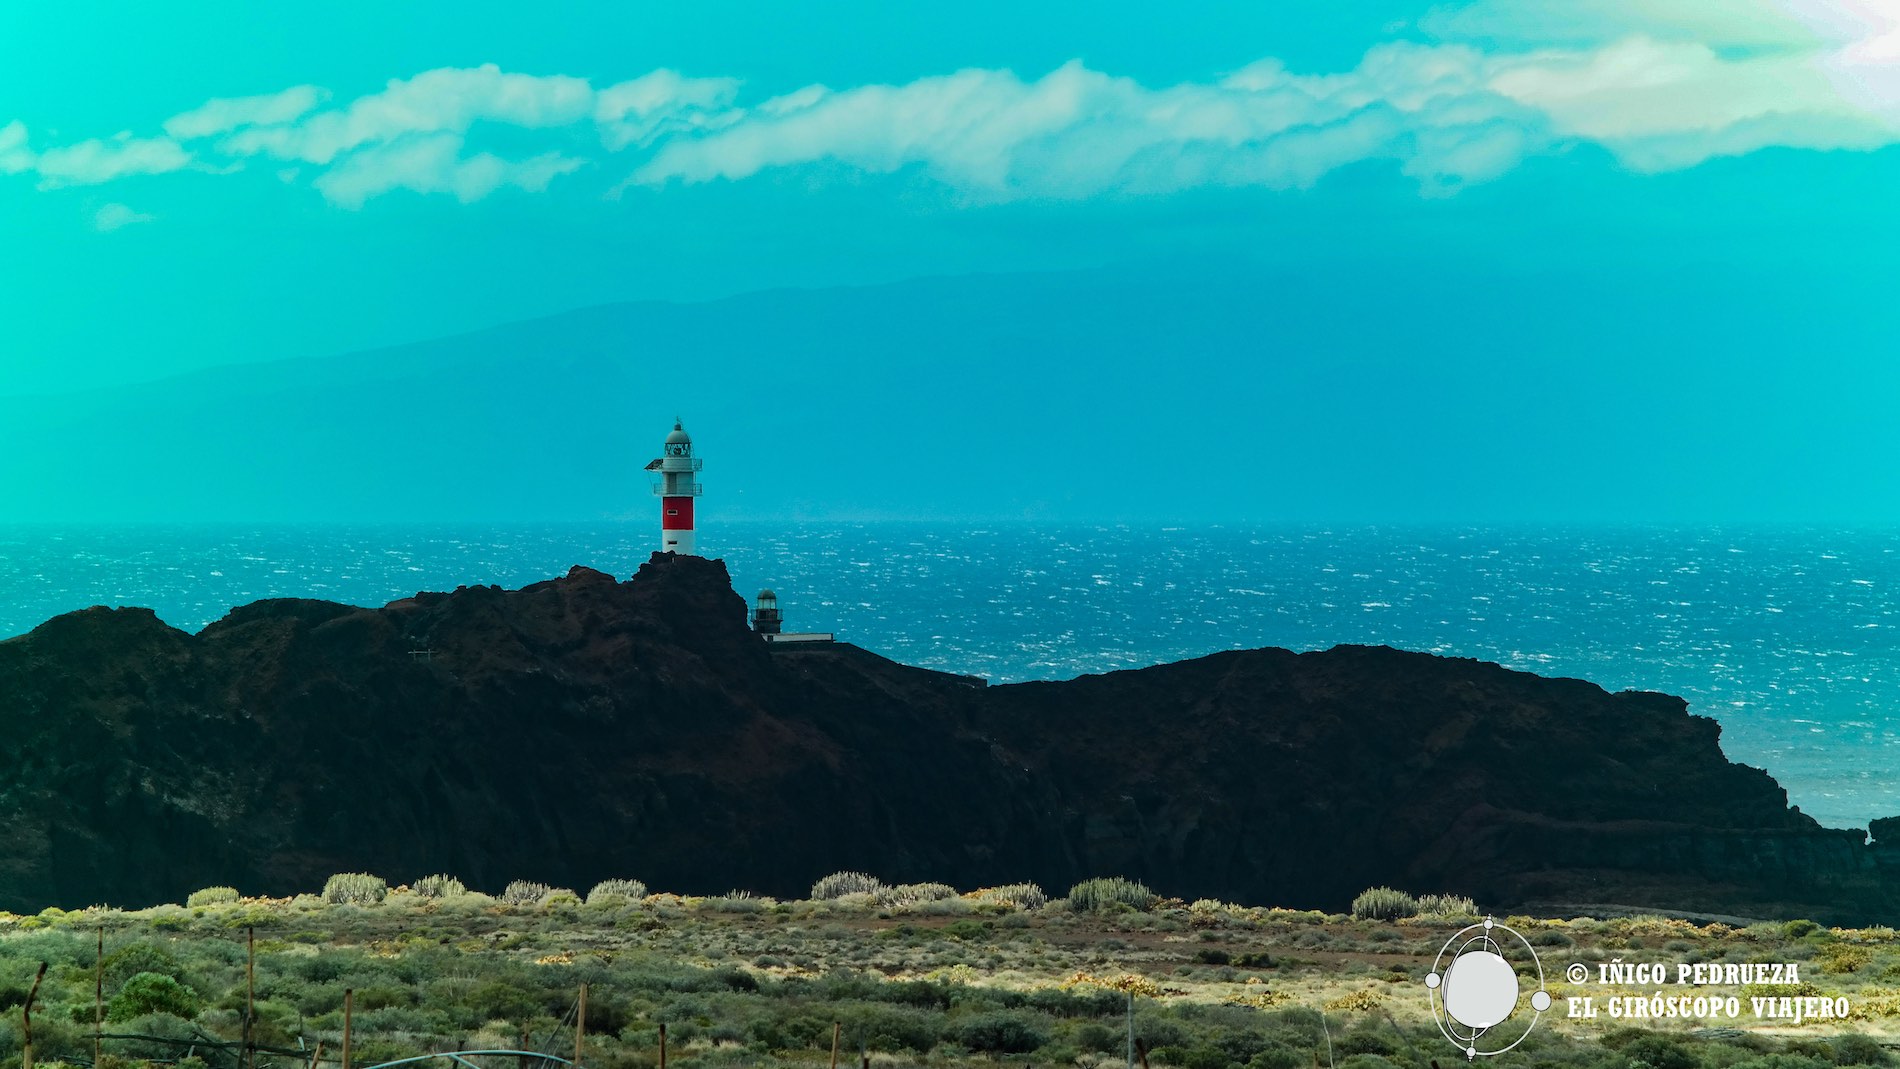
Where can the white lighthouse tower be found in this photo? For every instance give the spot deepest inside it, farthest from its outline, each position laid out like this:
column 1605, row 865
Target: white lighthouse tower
column 676, row 489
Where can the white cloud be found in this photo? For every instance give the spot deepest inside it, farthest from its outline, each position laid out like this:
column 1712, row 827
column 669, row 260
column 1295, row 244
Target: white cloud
column 223, row 115
column 14, row 154
column 662, row 104
column 448, row 100
column 114, row 216
column 90, row 163
column 1658, row 83
column 1661, row 106
column 435, row 164
column 1077, row 132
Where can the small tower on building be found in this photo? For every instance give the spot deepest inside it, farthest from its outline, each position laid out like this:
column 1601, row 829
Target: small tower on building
column 677, row 488
column 765, row 617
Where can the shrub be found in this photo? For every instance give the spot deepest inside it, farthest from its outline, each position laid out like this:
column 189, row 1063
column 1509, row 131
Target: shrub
column 524, row 893
column 605, row 890
column 1110, row 892
column 1856, row 1049
column 213, row 896
column 132, row 959
column 908, row 894
column 1383, row 904
column 1449, row 906
column 1024, row 896
column 355, row 888
column 440, row 885
column 1845, row 958
column 559, row 896
column 1000, row 1033
column 1354, row 1000
column 839, row 884
column 151, row 992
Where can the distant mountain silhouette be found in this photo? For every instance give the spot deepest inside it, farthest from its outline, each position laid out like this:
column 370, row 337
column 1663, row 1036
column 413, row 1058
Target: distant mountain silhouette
column 1163, row 394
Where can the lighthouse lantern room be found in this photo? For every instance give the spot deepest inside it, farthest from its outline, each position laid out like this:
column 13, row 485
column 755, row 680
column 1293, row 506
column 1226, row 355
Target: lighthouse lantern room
column 676, row 489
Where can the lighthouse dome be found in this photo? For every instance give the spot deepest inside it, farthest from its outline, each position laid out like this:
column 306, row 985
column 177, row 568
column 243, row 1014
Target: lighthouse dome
column 767, row 595
column 679, row 436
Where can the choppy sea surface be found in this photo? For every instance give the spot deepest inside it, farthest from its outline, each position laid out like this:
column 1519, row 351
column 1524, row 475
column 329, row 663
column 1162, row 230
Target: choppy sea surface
column 1789, row 637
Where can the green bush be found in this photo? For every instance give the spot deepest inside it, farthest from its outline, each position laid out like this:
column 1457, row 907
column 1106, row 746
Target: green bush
column 1000, row 1032
column 631, row 890
column 1856, row 1049
column 213, row 896
column 151, row 992
column 559, row 896
column 355, row 888
column 132, row 959
column 1447, row 906
column 441, row 885
column 1383, row 904
column 839, row 884
column 1110, row 892
column 525, row 893
column 1024, row 896
column 909, row 894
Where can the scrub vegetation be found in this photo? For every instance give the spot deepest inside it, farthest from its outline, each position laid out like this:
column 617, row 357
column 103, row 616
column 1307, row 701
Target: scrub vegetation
column 909, row 974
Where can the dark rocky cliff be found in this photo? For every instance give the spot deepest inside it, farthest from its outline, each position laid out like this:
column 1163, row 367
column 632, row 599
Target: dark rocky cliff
column 584, row 728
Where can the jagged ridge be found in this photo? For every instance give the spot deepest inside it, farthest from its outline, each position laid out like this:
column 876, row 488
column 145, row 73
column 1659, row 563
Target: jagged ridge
column 582, row 728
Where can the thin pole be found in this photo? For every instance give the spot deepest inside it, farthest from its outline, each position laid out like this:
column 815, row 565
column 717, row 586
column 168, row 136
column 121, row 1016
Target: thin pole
column 316, row 1055
column 662, row 1045
column 580, row 1027
column 98, row 995
column 250, row 997
column 1131, row 1030
column 837, row 1032
column 26, row 1019
column 349, row 1006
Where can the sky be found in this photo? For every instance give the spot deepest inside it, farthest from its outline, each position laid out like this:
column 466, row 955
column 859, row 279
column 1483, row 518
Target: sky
column 236, row 182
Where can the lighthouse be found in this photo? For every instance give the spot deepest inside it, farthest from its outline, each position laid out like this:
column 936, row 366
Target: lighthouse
column 676, row 489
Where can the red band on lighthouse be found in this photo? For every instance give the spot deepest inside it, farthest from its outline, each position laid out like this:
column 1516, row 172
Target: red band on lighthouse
column 677, row 514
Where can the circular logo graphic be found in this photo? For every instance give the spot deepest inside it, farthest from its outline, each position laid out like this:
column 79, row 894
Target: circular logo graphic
column 1475, row 988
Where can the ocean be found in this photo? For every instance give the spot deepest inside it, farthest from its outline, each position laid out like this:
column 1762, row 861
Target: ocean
column 1789, row 637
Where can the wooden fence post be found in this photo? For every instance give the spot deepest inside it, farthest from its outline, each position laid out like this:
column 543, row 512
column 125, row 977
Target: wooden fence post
column 580, row 1026
column 349, row 1006
column 26, row 1020
column 837, row 1032
column 662, row 1045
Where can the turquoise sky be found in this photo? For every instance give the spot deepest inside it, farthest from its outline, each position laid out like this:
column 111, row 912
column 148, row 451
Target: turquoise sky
column 246, row 182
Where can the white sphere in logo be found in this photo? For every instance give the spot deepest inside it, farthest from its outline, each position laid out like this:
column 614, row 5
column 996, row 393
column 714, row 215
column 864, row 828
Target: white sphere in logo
column 1480, row 988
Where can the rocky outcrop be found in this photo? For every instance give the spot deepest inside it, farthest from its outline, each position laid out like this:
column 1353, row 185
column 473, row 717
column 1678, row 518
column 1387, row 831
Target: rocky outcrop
column 583, row 728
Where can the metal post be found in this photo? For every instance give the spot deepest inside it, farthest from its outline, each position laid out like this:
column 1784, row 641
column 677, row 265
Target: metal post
column 98, row 995
column 580, row 1026
column 250, row 998
column 1131, row 1030
column 349, row 1007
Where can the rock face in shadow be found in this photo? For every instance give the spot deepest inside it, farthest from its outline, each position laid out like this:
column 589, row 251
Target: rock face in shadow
column 583, row 728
